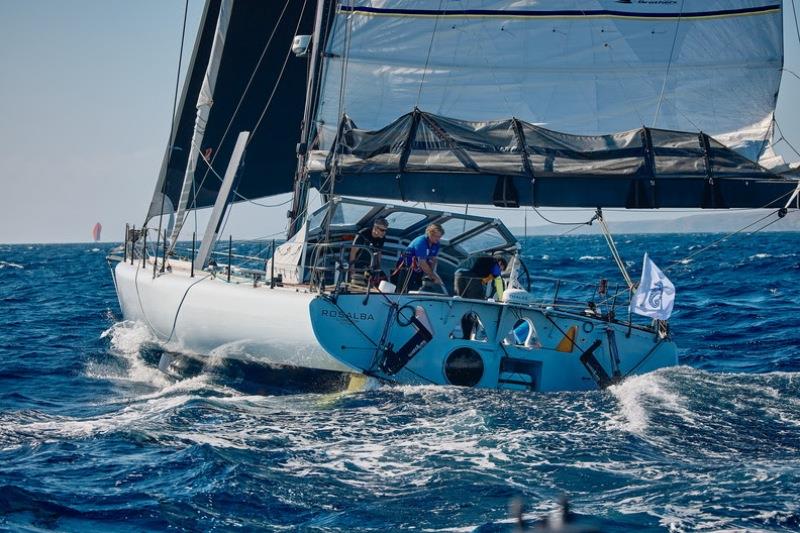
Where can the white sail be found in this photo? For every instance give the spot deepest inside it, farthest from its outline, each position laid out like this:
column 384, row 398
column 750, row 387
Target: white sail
column 576, row 66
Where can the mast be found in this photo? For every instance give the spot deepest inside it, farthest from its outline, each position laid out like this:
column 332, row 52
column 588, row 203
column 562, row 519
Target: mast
column 300, row 194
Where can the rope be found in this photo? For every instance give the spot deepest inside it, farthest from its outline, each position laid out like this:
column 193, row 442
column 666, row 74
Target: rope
column 722, row 239
column 280, row 76
column 428, row 57
column 209, row 163
column 796, row 28
column 614, row 252
column 784, row 139
column 174, row 107
column 249, row 83
column 669, row 65
column 587, row 223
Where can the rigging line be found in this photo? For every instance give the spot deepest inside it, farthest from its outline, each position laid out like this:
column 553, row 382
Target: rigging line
column 769, row 223
column 428, row 57
column 785, row 139
column 183, row 298
column 669, row 64
column 340, row 110
column 252, row 77
column 280, row 76
column 174, row 108
column 270, row 235
column 796, row 27
column 784, row 69
column 571, row 230
column 500, row 86
column 323, row 38
column 266, row 107
column 235, row 192
column 591, row 209
column 614, row 252
column 587, row 223
column 643, row 359
column 722, row 239
column 782, row 138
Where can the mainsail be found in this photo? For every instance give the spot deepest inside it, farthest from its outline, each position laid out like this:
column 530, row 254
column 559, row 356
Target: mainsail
column 585, row 67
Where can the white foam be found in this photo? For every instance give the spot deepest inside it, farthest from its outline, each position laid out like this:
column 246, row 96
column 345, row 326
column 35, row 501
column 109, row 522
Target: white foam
column 633, row 395
column 9, row 264
column 591, row 258
column 127, row 338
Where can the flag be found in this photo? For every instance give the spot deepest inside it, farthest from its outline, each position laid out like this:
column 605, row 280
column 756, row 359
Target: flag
column 655, row 295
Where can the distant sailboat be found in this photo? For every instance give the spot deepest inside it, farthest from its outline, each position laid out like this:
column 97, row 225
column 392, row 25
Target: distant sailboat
column 96, row 232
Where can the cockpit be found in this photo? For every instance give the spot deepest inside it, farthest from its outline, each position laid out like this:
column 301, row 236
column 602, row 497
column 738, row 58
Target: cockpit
column 330, row 230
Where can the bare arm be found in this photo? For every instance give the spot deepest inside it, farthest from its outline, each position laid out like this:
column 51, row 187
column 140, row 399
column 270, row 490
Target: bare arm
column 430, row 272
column 353, row 253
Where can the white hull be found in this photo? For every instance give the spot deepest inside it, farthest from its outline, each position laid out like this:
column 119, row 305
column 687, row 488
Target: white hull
column 360, row 334
column 207, row 315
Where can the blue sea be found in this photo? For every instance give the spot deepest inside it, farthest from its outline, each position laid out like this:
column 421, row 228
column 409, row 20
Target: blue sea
column 94, row 437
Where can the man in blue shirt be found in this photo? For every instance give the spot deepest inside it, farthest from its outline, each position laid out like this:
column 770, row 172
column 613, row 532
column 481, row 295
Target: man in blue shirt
column 420, row 259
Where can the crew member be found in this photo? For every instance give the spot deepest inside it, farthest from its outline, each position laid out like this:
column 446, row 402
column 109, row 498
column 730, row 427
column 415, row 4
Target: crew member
column 494, row 279
column 419, row 259
column 365, row 254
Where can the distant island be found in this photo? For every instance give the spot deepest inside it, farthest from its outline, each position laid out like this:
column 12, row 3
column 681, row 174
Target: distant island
column 716, row 222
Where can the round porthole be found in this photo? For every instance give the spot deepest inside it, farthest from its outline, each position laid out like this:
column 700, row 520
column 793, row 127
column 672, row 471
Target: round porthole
column 464, row 367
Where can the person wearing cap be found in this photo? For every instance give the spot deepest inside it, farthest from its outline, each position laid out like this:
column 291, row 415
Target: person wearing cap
column 365, row 254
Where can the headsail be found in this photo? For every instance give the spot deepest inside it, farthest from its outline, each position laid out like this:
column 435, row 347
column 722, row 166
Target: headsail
column 577, row 66
column 236, row 107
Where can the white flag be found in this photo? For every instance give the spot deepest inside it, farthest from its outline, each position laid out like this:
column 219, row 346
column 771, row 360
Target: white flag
column 655, row 295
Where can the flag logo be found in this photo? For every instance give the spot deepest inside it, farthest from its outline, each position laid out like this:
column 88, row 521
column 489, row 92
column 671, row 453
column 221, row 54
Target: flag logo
column 655, row 295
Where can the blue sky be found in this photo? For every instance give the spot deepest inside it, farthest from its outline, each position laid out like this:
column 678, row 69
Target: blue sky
column 86, row 92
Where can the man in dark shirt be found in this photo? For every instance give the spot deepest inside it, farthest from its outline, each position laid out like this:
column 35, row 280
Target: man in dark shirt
column 365, row 255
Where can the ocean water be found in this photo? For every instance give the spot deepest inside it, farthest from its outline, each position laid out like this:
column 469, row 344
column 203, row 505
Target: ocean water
column 93, row 436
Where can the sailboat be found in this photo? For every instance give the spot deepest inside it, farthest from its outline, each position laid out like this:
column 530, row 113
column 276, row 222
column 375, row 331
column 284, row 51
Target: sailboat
column 574, row 103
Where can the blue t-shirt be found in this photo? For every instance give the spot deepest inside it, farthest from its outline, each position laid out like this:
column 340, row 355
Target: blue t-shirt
column 420, row 249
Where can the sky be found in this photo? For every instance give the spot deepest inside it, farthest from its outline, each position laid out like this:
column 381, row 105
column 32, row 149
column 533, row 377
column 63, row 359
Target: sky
column 86, row 95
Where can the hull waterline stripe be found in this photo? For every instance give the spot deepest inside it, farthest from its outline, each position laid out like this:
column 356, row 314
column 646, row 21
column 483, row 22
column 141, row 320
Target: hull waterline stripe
column 557, row 14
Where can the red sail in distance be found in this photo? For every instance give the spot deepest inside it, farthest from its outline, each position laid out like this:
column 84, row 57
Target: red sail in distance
column 96, row 231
